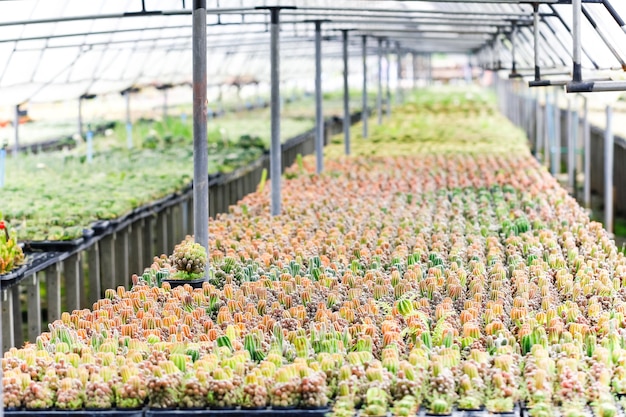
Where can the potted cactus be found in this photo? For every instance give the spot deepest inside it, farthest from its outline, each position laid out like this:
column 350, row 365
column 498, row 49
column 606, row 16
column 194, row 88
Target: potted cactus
column 285, row 392
column 38, row 396
column 189, row 261
column 131, row 393
column 194, row 391
column 69, row 395
column 11, row 254
column 99, row 394
column 222, row 393
column 14, row 384
column 163, row 386
column 313, row 390
column 406, row 407
column 253, row 393
column 376, row 403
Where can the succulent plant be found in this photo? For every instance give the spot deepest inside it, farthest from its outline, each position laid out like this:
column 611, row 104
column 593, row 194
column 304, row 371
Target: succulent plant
column 189, row 259
column 254, row 392
column 163, row 386
column 38, row 396
column 313, row 390
column 11, row 254
column 222, row 391
column 442, row 278
column 99, row 394
column 285, row 392
column 131, row 392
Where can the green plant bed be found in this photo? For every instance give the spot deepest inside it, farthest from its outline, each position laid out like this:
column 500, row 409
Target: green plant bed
column 54, row 197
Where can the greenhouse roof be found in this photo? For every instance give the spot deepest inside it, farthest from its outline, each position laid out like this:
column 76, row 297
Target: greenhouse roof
column 62, row 49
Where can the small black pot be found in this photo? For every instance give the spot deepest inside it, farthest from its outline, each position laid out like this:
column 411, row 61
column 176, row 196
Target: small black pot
column 195, row 283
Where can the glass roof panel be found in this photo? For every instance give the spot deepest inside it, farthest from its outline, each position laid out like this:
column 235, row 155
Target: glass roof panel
column 95, row 45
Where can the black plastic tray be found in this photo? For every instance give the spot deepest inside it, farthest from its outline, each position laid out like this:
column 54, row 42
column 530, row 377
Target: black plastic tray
column 296, row 412
column 77, row 413
column 100, row 227
column 54, row 245
column 34, row 262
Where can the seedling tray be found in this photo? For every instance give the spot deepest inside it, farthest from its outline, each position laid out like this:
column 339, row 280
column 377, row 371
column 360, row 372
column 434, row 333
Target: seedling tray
column 35, row 262
column 267, row 412
column 76, row 413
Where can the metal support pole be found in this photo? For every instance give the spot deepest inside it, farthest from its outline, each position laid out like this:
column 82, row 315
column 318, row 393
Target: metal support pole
column 364, row 114
column 399, row 97
column 577, row 53
column 429, row 70
column 538, row 125
column 387, row 69
column 3, row 157
column 586, row 155
column 200, row 142
column 16, row 130
column 536, row 39
column 80, row 117
column 346, row 95
column 556, row 137
column 379, row 95
column 548, row 133
column 414, row 70
column 608, row 170
column 576, row 143
column 571, row 148
column 319, row 115
column 513, row 48
column 165, row 103
column 275, row 149
column 129, row 124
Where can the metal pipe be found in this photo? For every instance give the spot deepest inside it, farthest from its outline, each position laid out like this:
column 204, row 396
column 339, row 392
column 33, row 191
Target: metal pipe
column 414, row 70
column 364, row 115
column 3, row 157
column 89, row 144
column 129, row 124
column 604, row 37
column 399, row 98
column 513, row 64
column 555, row 166
column 346, row 95
column 618, row 19
column 80, row 117
column 200, row 143
column 575, row 139
column 608, row 170
column 536, row 39
column 379, row 95
column 565, row 25
column 571, row 148
column 387, row 69
column 538, row 124
column 165, row 106
column 16, row 131
column 429, row 69
column 596, row 86
column 547, row 130
column 319, row 116
column 275, row 149
column 586, row 155
column 577, row 51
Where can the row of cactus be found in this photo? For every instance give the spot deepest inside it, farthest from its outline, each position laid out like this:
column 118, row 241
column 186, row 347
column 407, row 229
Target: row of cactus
column 387, row 284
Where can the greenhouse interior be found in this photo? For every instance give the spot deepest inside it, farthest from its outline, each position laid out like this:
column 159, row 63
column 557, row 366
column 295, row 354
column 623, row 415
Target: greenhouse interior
column 313, row 208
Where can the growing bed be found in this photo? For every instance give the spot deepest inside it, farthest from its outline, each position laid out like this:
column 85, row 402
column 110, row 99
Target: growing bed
column 432, row 275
